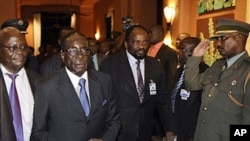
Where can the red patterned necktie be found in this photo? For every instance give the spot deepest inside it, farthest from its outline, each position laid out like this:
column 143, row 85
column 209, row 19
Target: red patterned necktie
column 140, row 85
column 16, row 110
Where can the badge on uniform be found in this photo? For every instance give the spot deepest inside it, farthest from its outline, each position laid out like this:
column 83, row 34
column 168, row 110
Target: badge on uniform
column 184, row 94
column 152, row 87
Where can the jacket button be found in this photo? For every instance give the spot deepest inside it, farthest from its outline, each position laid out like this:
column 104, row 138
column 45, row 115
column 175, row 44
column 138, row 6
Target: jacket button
column 209, row 95
column 215, row 84
column 203, row 121
column 205, row 108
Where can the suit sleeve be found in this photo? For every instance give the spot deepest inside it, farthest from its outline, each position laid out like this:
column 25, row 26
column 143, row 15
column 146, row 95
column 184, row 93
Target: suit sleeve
column 40, row 119
column 193, row 78
column 164, row 105
column 113, row 119
column 170, row 67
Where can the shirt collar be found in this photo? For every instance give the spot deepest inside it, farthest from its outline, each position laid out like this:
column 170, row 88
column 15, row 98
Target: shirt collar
column 132, row 59
column 5, row 71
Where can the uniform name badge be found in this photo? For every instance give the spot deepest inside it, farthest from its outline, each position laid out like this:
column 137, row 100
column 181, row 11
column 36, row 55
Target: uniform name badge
column 184, row 94
column 152, row 88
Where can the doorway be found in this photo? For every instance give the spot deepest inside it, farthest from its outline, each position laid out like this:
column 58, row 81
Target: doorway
column 51, row 24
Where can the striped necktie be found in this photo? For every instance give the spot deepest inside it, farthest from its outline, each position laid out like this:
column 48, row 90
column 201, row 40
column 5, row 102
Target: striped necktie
column 176, row 89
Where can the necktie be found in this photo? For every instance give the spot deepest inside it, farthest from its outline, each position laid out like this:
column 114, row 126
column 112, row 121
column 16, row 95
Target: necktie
column 16, row 110
column 140, row 85
column 83, row 97
column 176, row 89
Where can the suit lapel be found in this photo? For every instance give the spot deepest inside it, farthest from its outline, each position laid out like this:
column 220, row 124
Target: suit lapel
column 67, row 90
column 95, row 93
column 148, row 70
column 129, row 80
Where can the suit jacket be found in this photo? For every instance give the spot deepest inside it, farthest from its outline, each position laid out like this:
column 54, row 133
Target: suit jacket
column 186, row 111
column 138, row 118
column 221, row 97
column 168, row 58
column 58, row 114
column 51, row 65
column 100, row 58
column 7, row 132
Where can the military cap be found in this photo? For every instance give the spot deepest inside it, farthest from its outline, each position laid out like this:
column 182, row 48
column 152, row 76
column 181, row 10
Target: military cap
column 226, row 26
column 20, row 24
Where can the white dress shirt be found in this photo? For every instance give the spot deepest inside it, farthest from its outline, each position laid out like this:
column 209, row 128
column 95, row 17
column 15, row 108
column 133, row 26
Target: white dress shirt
column 132, row 62
column 75, row 81
column 25, row 96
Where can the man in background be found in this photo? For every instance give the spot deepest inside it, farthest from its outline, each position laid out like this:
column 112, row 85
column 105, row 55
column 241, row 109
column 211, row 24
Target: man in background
column 186, row 104
column 168, row 58
column 179, row 38
column 55, row 63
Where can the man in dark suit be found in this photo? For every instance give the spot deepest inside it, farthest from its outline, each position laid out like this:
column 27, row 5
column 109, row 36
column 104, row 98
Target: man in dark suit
column 168, row 58
column 186, row 104
column 139, row 84
column 16, row 109
column 166, row 55
column 67, row 110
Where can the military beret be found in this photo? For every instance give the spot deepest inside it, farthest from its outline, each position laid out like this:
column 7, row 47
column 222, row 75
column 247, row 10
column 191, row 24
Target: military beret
column 20, row 24
column 226, row 26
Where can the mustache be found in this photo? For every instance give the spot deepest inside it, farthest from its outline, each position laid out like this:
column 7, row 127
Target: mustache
column 141, row 49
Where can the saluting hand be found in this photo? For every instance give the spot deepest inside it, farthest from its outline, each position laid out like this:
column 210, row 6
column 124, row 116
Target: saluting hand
column 201, row 48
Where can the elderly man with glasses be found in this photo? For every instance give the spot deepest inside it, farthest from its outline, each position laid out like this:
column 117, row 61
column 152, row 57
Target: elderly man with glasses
column 77, row 102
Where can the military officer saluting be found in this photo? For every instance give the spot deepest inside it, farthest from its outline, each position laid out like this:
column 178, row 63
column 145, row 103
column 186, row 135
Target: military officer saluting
column 226, row 88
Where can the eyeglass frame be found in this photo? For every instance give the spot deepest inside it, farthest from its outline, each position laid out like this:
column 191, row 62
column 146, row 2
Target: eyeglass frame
column 86, row 50
column 15, row 48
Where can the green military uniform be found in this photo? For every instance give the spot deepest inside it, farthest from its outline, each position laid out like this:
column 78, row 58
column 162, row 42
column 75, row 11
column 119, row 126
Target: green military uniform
column 226, row 90
column 224, row 101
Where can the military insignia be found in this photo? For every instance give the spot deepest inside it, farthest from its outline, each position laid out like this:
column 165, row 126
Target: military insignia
column 234, row 82
column 20, row 22
column 223, row 68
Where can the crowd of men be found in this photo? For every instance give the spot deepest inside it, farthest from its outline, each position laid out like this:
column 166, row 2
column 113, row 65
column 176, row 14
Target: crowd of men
column 145, row 92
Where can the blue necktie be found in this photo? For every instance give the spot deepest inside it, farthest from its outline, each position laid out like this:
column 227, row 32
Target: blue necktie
column 83, row 97
column 176, row 89
column 140, row 85
column 16, row 110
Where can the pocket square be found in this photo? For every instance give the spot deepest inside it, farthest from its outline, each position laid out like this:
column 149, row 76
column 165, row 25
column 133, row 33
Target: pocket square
column 104, row 102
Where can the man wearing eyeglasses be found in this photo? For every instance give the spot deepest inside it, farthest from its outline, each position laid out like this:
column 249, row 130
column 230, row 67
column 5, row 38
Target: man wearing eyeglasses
column 77, row 102
column 226, row 90
column 17, row 87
